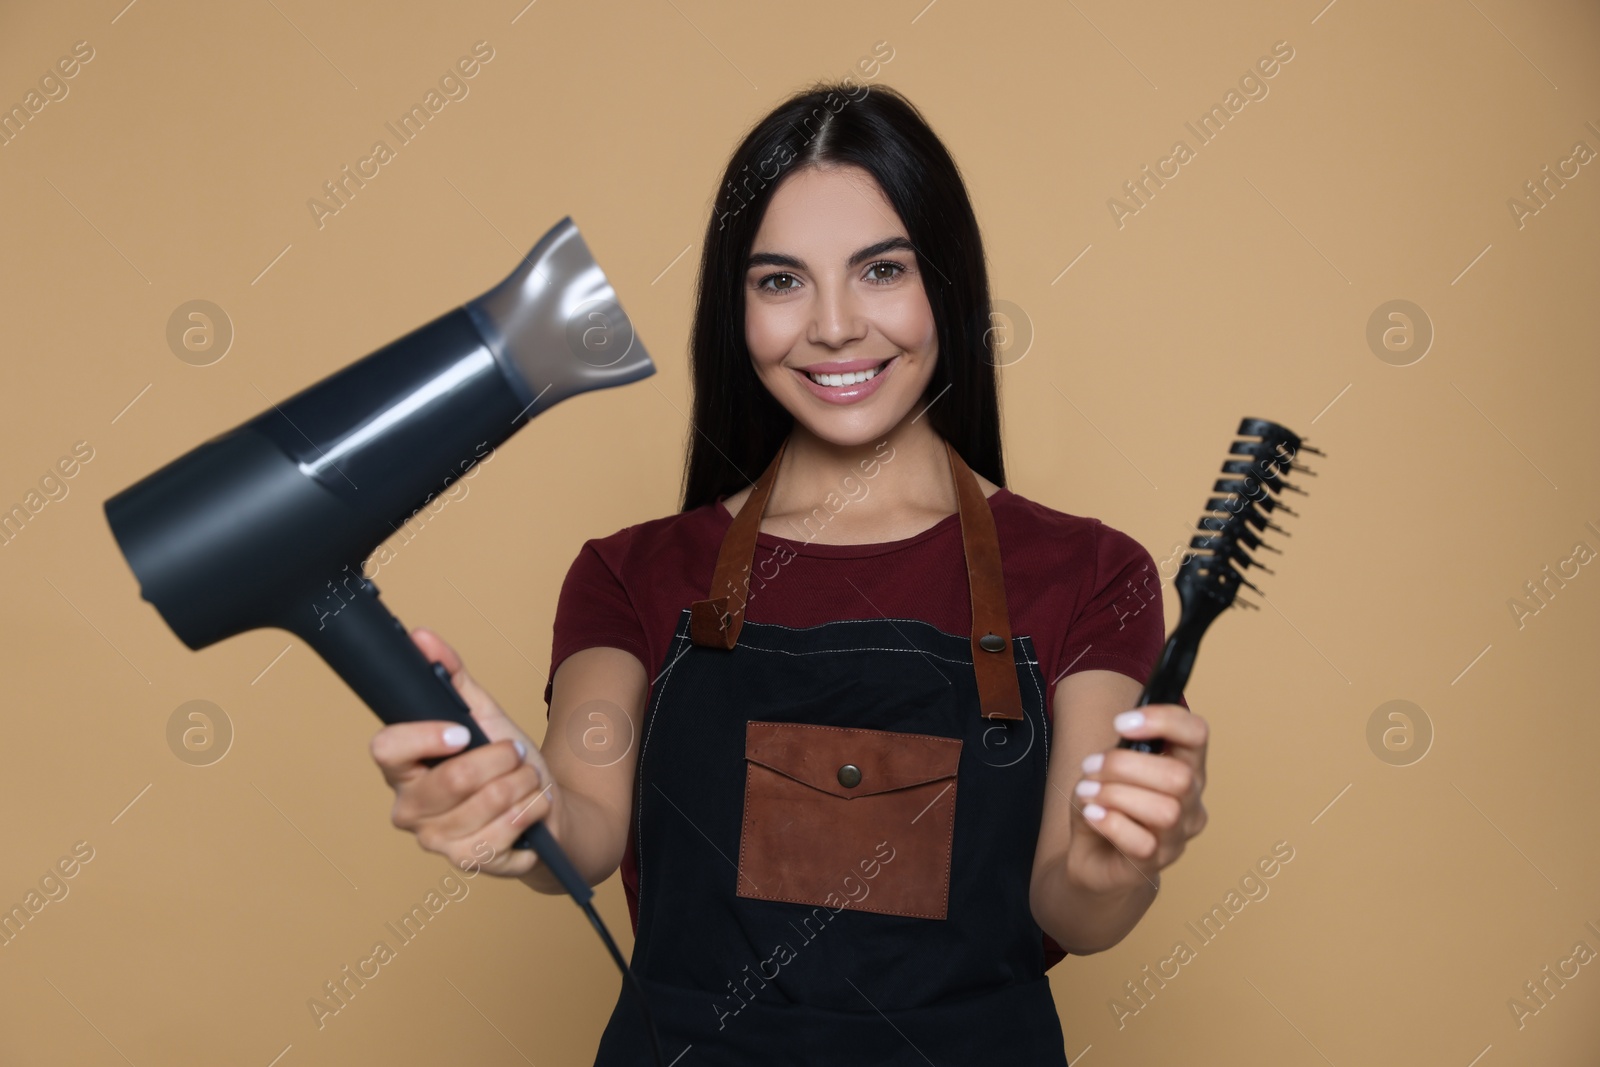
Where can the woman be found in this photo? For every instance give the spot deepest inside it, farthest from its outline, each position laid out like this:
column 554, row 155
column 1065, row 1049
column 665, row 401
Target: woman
column 763, row 708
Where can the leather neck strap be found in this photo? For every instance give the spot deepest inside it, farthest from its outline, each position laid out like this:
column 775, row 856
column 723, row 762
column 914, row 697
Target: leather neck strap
column 715, row 621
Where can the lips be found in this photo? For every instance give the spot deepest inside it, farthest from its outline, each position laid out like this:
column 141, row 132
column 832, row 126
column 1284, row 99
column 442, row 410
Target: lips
column 837, row 375
column 852, row 386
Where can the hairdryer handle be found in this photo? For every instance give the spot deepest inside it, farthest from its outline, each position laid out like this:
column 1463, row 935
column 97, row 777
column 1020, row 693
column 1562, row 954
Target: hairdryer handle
column 369, row 648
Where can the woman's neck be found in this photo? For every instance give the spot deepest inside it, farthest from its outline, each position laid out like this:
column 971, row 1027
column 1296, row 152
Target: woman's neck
column 886, row 489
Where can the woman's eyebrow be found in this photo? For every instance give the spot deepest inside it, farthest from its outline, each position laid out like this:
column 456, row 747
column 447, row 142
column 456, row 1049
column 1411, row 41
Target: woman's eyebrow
column 779, row 259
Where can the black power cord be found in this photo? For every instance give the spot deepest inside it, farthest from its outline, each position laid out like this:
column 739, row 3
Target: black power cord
column 543, row 843
column 627, row 976
column 539, row 838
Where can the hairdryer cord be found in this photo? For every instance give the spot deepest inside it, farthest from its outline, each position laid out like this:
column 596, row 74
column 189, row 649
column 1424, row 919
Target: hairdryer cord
column 627, row 976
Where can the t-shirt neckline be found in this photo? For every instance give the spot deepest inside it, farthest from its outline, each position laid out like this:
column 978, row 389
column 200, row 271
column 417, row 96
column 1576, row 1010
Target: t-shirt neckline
column 803, row 547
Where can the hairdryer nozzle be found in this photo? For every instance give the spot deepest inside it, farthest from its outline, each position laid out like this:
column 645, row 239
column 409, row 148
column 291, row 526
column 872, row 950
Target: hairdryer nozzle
column 262, row 525
column 555, row 324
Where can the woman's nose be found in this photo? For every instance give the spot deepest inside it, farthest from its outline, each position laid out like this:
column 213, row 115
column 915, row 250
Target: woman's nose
column 836, row 315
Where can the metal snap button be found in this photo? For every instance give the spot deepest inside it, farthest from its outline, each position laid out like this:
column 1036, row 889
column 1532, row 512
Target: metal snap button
column 849, row 776
column 992, row 642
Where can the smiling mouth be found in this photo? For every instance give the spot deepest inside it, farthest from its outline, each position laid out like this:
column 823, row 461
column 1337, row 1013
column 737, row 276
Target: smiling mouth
column 850, row 378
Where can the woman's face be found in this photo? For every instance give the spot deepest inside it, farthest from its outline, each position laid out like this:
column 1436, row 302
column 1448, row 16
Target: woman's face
column 834, row 287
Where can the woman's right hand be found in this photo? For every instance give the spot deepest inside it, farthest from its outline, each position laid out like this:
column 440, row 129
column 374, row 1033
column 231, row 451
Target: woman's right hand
column 472, row 807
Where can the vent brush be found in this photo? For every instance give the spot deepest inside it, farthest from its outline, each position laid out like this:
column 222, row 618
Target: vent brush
column 1209, row 578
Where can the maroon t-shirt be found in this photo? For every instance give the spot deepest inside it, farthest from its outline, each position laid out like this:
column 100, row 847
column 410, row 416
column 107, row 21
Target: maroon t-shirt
column 1088, row 595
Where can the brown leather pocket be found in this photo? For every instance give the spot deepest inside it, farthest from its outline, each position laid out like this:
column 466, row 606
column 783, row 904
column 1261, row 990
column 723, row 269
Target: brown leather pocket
column 848, row 818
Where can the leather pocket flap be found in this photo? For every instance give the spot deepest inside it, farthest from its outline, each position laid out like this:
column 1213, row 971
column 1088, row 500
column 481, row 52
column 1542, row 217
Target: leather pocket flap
column 885, row 760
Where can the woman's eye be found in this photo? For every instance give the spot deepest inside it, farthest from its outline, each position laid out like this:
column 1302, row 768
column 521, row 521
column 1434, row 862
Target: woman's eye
column 894, row 271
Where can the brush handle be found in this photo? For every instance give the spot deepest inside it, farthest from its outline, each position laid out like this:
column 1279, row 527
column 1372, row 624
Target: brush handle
column 357, row 635
column 1171, row 674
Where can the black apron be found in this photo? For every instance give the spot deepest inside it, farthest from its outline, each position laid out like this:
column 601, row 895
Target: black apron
column 811, row 890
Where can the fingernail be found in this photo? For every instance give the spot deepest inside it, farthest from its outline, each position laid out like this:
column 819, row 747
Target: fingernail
column 457, row 735
column 522, row 749
column 1094, row 812
column 1088, row 787
column 1128, row 720
column 1093, row 762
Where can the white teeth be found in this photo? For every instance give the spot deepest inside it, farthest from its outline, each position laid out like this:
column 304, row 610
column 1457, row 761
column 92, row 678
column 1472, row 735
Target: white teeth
column 853, row 378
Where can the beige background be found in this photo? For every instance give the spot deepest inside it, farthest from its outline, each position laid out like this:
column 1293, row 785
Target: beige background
column 1420, row 898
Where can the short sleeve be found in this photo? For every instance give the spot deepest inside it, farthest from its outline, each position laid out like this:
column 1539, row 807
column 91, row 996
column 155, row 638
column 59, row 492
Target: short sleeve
column 594, row 607
column 1120, row 625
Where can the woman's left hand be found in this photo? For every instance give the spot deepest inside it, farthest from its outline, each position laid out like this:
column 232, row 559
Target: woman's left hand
column 1134, row 812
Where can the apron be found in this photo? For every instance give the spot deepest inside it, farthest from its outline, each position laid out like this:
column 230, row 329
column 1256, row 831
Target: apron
column 836, row 826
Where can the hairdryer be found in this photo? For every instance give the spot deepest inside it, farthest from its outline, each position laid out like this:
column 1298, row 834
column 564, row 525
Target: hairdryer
column 267, row 524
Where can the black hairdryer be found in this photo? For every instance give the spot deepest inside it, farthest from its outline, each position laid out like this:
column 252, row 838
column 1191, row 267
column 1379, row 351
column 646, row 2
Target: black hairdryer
column 268, row 523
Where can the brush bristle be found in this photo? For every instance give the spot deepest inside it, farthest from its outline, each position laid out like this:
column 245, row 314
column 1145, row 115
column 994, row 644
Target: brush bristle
column 1246, row 496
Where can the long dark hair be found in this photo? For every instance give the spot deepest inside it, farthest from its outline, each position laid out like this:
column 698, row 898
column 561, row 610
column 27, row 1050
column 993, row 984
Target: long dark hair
column 737, row 425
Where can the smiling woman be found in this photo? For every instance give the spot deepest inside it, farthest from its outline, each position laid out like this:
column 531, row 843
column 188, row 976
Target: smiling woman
column 866, row 253
column 918, row 646
column 896, row 685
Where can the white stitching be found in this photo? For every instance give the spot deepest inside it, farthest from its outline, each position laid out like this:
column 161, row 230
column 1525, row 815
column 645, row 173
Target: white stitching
column 1044, row 724
column 1018, row 638
column 869, row 648
column 680, row 634
column 1024, row 641
column 839, row 622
